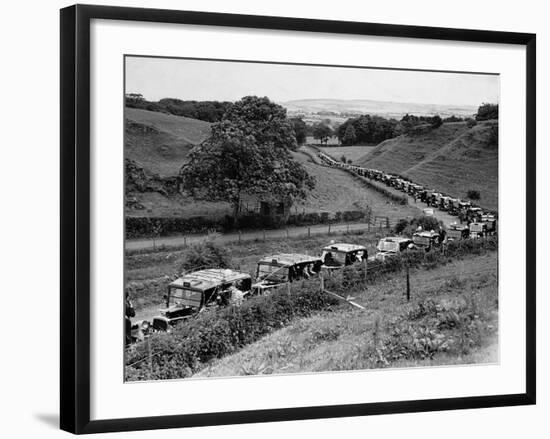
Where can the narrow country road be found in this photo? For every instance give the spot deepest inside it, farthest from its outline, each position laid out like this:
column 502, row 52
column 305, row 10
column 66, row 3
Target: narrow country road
column 174, row 241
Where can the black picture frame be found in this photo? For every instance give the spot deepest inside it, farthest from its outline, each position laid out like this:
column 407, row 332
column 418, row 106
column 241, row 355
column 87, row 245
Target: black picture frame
column 75, row 217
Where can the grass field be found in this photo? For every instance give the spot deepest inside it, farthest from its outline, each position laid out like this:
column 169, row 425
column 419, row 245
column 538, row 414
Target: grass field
column 452, row 318
column 160, row 142
column 353, row 153
column 452, row 158
column 336, row 190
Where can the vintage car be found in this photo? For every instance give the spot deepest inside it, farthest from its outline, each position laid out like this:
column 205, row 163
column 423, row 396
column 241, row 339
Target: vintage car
column 445, row 202
column 425, row 240
column 339, row 255
column 478, row 229
column 454, row 206
column 428, row 211
column 273, row 272
column 392, row 246
column 191, row 293
column 474, row 214
column 491, row 222
column 457, row 232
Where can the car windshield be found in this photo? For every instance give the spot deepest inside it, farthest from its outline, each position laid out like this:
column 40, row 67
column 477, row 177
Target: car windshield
column 388, row 246
column 272, row 273
column 184, row 297
column 334, row 257
column 421, row 240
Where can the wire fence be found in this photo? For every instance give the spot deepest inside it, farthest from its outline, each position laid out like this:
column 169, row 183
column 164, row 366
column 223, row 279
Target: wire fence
column 370, row 224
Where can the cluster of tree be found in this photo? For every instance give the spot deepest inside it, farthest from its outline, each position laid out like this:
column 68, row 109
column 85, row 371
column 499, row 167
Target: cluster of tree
column 366, row 129
column 209, row 111
column 411, row 124
column 487, row 111
column 248, row 153
column 322, row 132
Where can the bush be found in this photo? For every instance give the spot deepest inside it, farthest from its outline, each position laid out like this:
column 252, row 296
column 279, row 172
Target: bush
column 436, row 121
column 487, row 111
column 400, row 226
column 205, row 254
column 218, row 333
column 470, row 123
column 406, row 227
column 473, row 194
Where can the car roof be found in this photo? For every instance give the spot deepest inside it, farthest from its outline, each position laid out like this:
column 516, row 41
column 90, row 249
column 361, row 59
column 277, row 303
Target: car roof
column 210, row 278
column 340, row 246
column 289, row 259
column 426, row 234
column 395, row 239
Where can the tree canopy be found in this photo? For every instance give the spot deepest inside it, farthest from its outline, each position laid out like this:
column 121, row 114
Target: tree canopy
column 366, row 129
column 322, row 132
column 487, row 111
column 300, row 129
column 248, row 153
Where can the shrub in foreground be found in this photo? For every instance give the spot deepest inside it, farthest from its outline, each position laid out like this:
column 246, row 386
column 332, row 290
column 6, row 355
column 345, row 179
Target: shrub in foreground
column 219, row 332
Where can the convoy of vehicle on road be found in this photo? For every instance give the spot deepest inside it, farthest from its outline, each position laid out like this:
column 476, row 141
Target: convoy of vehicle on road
column 199, row 290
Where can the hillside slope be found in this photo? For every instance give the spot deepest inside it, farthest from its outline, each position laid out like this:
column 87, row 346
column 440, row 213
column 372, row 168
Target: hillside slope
column 160, row 142
column 452, row 158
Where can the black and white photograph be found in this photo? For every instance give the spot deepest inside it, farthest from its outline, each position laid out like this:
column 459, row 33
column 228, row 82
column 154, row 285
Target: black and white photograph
column 294, row 218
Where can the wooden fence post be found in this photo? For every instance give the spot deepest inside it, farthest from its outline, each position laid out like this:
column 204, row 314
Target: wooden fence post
column 264, row 234
column 329, row 228
column 185, row 241
column 240, row 233
column 408, row 285
column 387, row 222
column 309, row 232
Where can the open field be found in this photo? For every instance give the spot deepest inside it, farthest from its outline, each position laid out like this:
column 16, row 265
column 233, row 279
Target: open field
column 160, row 142
column 452, row 158
column 337, row 190
column 452, row 318
column 352, row 153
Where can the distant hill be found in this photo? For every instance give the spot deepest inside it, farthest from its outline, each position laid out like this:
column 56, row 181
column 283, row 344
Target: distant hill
column 452, row 158
column 381, row 108
column 160, row 142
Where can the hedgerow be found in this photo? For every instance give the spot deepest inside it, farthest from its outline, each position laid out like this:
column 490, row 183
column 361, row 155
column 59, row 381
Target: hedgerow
column 147, row 227
column 216, row 333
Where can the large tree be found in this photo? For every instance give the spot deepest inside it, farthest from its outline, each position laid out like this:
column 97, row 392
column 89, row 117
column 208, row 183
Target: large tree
column 300, row 129
column 322, row 132
column 349, row 137
column 248, row 153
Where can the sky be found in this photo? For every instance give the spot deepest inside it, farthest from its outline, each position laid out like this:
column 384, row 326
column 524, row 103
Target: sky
column 157, row 78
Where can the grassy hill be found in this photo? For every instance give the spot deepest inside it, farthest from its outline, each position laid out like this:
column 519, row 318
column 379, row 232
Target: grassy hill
column 452, row 158
column 160, row 142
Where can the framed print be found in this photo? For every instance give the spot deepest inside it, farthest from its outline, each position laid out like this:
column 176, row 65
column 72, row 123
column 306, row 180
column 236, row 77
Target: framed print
column 272, row 218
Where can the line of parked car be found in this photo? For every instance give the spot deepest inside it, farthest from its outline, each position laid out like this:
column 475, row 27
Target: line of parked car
column 478, row 223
